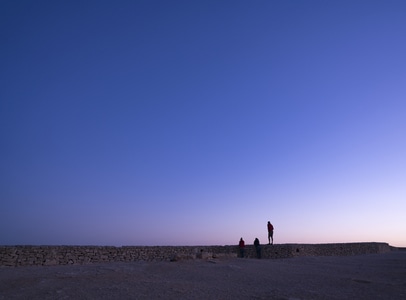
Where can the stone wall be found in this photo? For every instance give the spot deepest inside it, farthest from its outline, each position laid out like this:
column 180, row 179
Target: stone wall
column 65, row 255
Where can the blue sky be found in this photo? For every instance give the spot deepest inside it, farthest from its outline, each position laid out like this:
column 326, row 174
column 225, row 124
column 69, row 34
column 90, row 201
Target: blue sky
column 196, row 122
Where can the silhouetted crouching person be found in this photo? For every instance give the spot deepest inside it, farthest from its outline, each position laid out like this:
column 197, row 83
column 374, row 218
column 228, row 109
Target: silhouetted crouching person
column 257, row 247
column 241, row 246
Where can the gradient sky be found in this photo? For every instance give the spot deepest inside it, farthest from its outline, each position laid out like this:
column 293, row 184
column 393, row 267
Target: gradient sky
column 196, row 122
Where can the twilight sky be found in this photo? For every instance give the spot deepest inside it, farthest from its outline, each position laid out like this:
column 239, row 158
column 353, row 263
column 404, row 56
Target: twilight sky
column 196, row 122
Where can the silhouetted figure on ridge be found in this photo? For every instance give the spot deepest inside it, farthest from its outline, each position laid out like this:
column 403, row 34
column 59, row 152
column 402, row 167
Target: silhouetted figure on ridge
column 241, row 246
column 257, row 247
column 270, row 233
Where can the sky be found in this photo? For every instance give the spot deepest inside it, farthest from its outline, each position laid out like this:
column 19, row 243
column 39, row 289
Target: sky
column 197, row 122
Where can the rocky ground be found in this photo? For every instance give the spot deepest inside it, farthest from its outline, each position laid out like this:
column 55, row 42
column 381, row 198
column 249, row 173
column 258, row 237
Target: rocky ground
column 372, row 276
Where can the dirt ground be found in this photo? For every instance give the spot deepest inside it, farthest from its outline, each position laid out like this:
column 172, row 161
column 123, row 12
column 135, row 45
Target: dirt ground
column 373, row 276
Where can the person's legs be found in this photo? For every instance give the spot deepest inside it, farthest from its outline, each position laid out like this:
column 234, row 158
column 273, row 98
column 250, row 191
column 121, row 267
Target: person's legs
column 258, row 250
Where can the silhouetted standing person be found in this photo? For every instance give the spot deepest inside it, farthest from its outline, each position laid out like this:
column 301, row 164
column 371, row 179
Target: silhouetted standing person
column 270, row 233
column 257, row 247
column 241, row 245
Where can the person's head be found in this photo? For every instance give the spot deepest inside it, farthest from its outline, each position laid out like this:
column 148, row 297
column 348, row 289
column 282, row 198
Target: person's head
column 269, row 222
